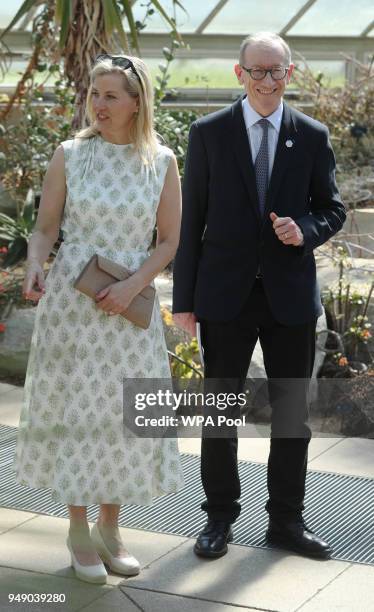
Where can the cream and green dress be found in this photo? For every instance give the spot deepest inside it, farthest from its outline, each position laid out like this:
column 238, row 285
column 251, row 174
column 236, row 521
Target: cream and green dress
column 71, row 437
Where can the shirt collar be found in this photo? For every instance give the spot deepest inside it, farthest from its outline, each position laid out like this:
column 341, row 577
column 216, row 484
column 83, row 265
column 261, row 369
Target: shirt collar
column 251, row 116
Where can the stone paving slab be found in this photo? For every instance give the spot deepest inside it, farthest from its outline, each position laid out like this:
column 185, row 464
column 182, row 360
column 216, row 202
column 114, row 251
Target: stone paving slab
column 149, row 601
column 9, row 518
column 351, row 456
column 40, row 545
column 264, row 579
column 5, row 387
column 10, row 406
column 115, row 600
column 351, row 591
column 78, row 594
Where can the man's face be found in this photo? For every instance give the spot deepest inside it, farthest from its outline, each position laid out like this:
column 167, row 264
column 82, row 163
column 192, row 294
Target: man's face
column 265, row 95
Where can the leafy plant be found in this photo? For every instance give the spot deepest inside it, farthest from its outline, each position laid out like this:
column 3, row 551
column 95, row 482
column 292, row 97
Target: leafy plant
column 85, row 29
column 16, row 232
column 347, row 315
column 184, row 363
column 27, row 143
column 173, row 126
column 346, row 110
column 10, row 294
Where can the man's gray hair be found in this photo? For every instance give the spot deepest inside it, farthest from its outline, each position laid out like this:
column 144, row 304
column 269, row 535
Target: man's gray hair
column 266, row 39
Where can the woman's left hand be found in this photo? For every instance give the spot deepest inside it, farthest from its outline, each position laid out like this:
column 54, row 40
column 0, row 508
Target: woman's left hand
column 116, row 298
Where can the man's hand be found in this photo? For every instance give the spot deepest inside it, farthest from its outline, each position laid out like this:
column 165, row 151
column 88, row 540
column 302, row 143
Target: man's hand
column 287, row 230
column 186, row 321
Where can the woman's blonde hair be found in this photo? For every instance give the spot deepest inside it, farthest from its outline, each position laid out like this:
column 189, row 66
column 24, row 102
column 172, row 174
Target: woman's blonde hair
column 142, row 132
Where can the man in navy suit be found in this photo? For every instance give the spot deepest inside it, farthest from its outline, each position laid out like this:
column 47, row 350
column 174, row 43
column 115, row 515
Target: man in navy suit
column 259, row 195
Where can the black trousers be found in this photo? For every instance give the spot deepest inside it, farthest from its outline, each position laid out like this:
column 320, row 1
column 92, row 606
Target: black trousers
column 288, row 355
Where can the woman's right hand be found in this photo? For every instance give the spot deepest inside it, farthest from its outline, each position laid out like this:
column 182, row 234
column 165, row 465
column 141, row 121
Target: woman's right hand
column 34, row 277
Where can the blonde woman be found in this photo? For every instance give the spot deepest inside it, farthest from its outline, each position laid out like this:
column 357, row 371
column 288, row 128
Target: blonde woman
column 106, row 188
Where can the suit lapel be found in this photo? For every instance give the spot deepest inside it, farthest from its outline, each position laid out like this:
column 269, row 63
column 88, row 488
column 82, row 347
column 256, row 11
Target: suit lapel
column 283, row 155
column 243, row 155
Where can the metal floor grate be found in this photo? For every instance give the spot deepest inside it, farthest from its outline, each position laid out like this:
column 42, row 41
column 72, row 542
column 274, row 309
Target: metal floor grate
column 339, row 508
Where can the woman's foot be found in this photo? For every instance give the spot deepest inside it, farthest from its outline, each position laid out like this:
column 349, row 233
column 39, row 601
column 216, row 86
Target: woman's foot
column 84, row 558
column 108, row 543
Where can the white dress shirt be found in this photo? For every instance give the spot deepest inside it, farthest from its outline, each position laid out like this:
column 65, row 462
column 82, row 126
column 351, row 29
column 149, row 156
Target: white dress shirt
column 255, row 132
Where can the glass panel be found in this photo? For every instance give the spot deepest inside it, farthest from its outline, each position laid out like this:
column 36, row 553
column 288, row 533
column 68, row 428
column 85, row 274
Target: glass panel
column 333, row 71
column 8, row 9
column 201, row 74
column 343, row 18
column 187, row 22
column 209, row 73
column 17, row 69
column 249, row 16
column 205, row 73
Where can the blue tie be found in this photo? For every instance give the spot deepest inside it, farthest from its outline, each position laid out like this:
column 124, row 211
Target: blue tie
column 262, row 166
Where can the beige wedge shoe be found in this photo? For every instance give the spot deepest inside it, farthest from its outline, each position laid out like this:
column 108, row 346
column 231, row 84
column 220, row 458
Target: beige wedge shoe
column 126, row 565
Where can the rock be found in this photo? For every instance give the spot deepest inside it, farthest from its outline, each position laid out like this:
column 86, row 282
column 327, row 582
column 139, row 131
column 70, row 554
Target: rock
column 15, row 341
column 348, row 405
column 358, row 231
column 359, row 273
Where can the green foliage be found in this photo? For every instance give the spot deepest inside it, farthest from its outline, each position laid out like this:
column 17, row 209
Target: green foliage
column 29, row 141
column 164, row 68
column 16, row 232
column 188, row 367
column 112, row 10
column 346, row 110
column 10, row 293
column 346, row 311
column 174, row 127
column 27, row 145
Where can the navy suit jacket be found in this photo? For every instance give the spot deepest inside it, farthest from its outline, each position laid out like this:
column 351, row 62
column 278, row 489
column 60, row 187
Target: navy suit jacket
column 224, row 239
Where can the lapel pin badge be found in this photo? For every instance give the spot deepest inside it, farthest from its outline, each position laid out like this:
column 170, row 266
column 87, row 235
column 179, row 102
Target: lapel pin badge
column 289, row 143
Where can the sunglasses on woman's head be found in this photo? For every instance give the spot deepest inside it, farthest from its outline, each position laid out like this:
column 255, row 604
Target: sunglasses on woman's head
column 123, row 62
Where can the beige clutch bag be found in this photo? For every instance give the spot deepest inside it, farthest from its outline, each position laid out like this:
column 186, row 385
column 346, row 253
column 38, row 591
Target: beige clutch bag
column 101, row 272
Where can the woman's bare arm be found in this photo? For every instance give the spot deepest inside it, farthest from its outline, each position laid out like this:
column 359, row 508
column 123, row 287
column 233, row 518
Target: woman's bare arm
column 168, row 228
column 47, row 224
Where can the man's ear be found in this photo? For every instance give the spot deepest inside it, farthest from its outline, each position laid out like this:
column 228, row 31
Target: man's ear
column 239, row 73
column 289, row 73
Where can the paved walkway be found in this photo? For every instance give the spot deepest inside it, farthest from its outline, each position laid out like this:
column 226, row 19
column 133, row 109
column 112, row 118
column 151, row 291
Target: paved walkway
column 34, row 558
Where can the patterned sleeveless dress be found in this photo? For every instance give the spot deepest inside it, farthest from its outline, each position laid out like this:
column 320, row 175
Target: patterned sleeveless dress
column 71, row 437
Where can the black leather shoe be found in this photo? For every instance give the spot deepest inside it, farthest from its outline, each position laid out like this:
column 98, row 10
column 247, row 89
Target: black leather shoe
column 298, row 537
column 212, row 540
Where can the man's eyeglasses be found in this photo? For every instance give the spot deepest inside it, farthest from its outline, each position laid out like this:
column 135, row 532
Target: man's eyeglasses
column 124, row 62
column 260, row 73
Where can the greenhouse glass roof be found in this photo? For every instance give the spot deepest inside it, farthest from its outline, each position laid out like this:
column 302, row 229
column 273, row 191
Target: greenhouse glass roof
column 291, row 17
column 325, row 32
